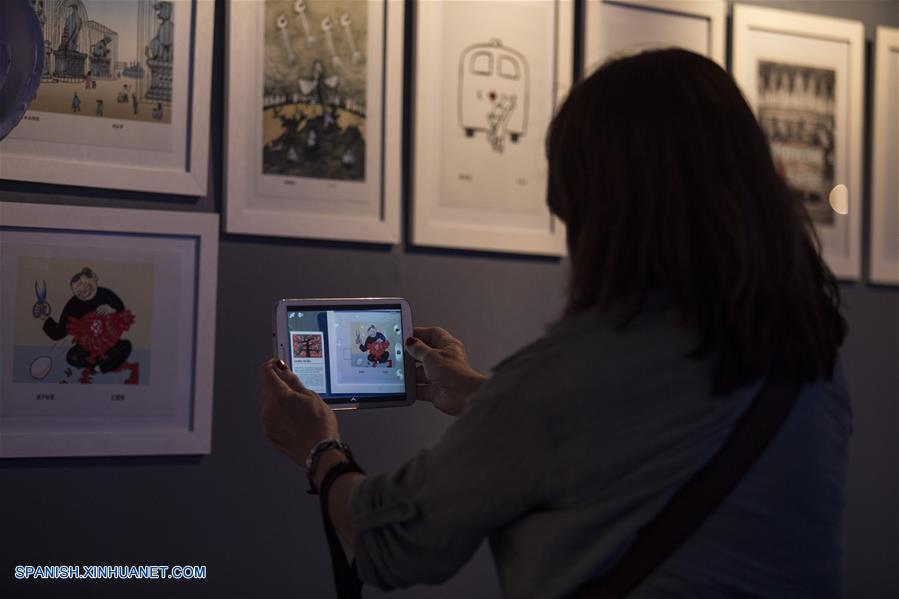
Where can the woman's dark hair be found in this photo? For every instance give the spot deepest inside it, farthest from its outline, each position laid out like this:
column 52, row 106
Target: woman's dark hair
column 84, row 272
column 666, row 182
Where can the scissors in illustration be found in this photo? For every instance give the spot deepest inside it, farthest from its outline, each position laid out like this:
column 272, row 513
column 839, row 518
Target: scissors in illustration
column 42, row 306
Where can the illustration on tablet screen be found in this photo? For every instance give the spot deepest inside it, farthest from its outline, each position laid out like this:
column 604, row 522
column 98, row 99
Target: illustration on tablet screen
column 375, row 345
column 307, row 345
column 348, row 352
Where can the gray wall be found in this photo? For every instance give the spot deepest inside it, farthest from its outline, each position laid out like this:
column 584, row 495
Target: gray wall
column 242, row 510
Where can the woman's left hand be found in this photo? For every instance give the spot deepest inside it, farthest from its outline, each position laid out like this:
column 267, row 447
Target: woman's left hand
column 295, row 418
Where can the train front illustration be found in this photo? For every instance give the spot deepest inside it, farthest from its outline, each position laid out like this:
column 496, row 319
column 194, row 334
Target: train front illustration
column 493, row 93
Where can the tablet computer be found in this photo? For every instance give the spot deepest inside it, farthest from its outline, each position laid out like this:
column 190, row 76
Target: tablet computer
column 348, row 350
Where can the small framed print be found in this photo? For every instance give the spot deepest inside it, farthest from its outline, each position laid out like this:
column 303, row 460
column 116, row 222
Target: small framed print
column 315, row 94
column 106, row 331
column 488, row 77
column 804, row 77
column 885, row 167
column 621, row 27
column 124, row 97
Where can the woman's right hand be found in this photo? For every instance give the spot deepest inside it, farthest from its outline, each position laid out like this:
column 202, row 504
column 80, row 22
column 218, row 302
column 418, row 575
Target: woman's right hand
column 444, row 376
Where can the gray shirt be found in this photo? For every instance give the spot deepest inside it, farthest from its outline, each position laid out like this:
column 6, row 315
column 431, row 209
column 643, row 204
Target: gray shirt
column 577, row 441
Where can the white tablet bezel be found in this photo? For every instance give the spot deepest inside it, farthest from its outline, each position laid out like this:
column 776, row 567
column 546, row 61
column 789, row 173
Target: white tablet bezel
column 281, row 344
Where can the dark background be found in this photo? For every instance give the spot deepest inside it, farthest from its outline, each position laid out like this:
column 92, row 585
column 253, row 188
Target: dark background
column 242, row 510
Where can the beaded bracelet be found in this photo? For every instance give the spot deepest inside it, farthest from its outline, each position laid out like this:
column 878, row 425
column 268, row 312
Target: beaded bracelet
column 316, row 454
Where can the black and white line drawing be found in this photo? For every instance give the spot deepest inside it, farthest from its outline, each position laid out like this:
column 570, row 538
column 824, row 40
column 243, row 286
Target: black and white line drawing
column 494, row 93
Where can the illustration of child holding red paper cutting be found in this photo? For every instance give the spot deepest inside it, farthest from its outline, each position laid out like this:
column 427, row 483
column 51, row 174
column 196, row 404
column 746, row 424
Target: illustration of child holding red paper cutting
column 95, row 317
column 377, row 346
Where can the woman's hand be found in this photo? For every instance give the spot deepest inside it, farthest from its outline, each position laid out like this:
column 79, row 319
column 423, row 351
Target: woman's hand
column 295, row 418
column 445, row 378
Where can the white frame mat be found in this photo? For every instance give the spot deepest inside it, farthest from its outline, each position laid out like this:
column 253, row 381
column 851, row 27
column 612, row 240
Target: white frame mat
column 885, row 161
column 821, row 43
column 304, row 206
column 673, row 24
column 120, row 153
column 459, row 220
column 167, row 407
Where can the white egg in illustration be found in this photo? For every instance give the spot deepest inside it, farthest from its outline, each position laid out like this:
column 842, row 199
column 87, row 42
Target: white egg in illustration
column 41, row 367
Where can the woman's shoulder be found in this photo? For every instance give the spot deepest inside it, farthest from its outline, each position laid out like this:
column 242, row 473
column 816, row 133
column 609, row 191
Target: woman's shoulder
column 588, row 373
column 594, row 344
column 557, row 339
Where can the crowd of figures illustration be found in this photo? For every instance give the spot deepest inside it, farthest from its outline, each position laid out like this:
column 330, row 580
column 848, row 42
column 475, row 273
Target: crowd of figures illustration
column 314, row 97
column 796, row 111
column 107, row 58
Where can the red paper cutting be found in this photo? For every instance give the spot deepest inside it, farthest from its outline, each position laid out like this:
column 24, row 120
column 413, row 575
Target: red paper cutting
column 98, row 333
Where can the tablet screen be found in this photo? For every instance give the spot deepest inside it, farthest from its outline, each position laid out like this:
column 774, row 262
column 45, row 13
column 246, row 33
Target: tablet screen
column 348, row 354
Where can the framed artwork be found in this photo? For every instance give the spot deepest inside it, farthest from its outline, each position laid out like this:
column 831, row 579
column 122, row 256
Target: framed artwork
column 315, row 94
column 621, row 27
column 804, row 75
column 124, row 98
column 107, row 331
column 885, row 167
column 488, row 77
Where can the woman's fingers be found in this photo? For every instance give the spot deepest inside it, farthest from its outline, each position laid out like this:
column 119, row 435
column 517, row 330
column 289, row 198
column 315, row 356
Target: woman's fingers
column 434, row 336
column 289, row 378
column 424, row 333
column 417, row 348
column 438, row 338
column 272, row 383
column 421, row 376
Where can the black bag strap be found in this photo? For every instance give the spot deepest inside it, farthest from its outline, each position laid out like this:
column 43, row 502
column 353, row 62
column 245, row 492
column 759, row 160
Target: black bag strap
column 346, row 578
column 699, row 497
